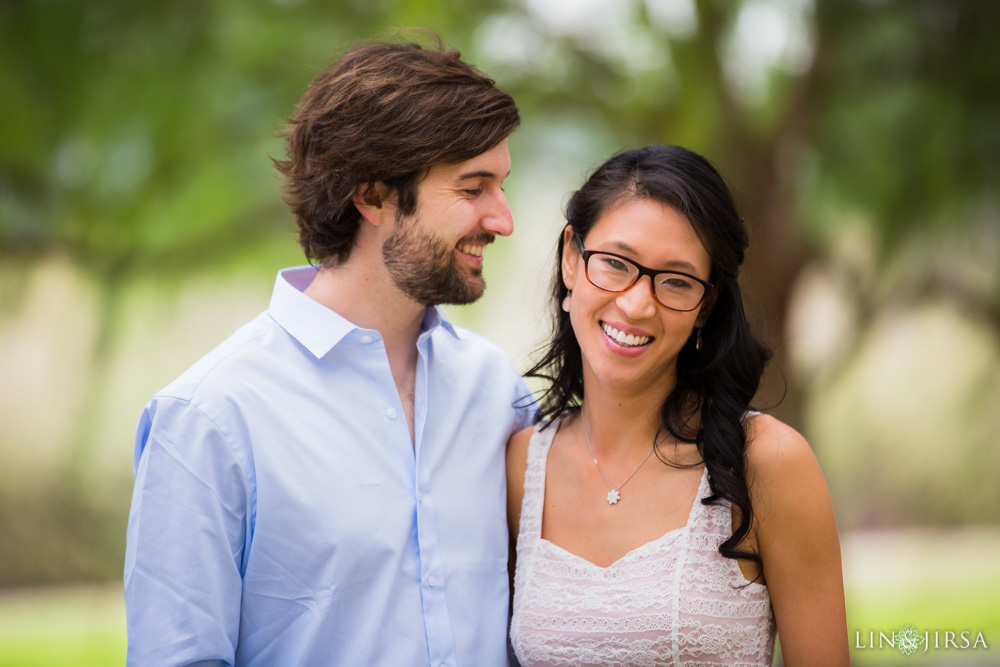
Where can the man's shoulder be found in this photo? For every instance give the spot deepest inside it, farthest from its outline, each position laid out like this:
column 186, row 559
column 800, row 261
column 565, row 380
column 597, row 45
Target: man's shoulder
column 469, row 345
column 484, row 370
column 229, row 359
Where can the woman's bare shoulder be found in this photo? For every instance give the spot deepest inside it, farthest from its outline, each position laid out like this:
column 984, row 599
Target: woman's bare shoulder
column 517, row 458
column 786, row 482
column 517, row 446
column 796, row 538
column 517, row 464
column 775, row 450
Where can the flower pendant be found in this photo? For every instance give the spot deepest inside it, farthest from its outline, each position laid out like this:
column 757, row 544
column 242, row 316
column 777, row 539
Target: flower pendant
column 613, row 497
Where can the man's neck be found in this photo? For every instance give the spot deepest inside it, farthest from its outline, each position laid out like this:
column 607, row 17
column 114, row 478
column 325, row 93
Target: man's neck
column 370, row 300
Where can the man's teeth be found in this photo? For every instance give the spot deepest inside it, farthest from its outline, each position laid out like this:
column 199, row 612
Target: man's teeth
column 470, row 249
column 623, row 338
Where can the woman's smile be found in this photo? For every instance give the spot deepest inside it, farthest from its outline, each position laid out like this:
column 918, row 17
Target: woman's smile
column 625, row 340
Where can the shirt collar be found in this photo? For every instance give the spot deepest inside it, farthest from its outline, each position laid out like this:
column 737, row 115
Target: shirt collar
column 315, row 326
column 433, row 318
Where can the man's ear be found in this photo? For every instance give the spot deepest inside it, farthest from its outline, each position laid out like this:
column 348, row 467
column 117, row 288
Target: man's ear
column 570, row 253
column 707, row 305
column 370, row 200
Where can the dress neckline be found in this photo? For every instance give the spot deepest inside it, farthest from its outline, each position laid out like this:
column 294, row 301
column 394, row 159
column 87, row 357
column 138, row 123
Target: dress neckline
column 631, row 554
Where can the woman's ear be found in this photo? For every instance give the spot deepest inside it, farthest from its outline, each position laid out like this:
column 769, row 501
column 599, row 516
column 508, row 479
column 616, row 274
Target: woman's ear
column 707, row 305
column 570, row 254
column 371, row 201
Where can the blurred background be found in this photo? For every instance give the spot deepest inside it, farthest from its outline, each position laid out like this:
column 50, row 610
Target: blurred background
column 140, row 223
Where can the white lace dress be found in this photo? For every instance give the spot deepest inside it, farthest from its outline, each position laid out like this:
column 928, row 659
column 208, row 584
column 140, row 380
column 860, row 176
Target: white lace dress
column 673, row 601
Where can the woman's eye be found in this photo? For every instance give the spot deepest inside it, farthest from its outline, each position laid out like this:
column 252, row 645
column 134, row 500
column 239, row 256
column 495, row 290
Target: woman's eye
column 677, row 283
column 614, row 264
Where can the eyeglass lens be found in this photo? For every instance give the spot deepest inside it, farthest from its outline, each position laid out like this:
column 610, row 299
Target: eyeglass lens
column 673, row 290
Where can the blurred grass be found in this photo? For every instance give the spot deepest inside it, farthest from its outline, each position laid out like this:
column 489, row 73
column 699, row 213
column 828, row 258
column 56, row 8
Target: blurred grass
column 935, row 580
column 83, row 626
column 81, row 651
column 952, row 605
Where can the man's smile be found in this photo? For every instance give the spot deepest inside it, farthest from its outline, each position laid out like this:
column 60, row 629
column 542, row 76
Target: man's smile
column 474, row 249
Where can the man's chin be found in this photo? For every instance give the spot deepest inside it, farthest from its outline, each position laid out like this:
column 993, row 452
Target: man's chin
column 453, row 285
column 472, row 292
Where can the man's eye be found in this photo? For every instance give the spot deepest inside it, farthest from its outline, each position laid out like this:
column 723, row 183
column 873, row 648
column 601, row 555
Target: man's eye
column 474, row 192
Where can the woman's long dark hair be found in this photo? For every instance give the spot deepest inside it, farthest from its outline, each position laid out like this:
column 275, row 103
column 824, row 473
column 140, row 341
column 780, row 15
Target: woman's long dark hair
column 715, row 384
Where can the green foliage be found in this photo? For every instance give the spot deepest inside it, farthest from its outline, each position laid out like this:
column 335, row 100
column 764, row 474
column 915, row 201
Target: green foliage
column 142, row 136
column 134, row 132
column 905, row 119
column 134, row 140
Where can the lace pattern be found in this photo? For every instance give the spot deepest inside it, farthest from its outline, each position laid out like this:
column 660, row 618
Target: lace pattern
column 673, row 601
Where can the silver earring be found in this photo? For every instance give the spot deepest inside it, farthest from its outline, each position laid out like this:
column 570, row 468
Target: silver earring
column 697, row 341
column 565, row 303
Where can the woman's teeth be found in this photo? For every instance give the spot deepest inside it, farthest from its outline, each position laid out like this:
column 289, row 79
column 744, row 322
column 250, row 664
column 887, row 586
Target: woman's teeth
column 475, row 250
column 622, row 338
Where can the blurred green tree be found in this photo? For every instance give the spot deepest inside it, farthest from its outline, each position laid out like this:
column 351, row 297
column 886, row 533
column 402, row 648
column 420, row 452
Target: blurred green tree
column 816, row 112
column 131, row 134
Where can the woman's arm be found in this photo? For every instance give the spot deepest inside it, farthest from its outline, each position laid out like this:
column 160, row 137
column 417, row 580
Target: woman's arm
column 517, row 463
column 796, row 535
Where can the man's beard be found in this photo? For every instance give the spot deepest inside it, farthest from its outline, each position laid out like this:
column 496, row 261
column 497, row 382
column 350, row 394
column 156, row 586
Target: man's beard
column 427, row 270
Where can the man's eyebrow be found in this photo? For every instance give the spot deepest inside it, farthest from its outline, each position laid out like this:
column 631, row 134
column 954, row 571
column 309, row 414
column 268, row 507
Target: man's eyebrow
column 482, row 173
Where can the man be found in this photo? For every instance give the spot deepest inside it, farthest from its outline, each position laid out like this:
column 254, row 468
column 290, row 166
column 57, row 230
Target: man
column 327, row 486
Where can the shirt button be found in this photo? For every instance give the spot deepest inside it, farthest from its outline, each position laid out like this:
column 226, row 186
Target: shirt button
column 366, row 339
column 391, row 413
column 420, row 497
column 431, row 581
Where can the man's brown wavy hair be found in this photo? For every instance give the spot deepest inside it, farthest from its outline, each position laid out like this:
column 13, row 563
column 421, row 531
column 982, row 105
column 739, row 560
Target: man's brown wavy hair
column 383, row 113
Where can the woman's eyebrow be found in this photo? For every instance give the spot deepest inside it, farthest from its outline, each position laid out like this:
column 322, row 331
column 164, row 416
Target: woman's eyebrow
column 674, row 264
column 621, row 245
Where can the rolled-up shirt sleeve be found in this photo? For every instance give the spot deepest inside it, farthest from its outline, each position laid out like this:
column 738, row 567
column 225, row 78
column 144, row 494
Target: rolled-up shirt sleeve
column 187, row 538
column 525, row 404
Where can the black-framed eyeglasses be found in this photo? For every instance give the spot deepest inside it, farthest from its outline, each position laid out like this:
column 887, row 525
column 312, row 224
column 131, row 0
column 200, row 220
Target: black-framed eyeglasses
column 611, row 272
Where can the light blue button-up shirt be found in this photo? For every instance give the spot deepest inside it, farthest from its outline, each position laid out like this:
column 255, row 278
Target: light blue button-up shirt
column 282, row 516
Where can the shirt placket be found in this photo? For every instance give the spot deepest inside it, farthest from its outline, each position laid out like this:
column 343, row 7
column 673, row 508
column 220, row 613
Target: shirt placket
column 437, row 621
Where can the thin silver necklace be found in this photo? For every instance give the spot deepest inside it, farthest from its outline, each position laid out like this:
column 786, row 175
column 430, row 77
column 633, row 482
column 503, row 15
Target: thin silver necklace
column 613, row 495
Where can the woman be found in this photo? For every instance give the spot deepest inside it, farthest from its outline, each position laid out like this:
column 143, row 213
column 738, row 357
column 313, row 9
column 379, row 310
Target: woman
column 696, row 555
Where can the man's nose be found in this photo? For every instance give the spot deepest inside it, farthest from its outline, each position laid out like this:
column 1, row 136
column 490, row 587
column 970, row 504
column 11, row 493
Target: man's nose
column 498, row 219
